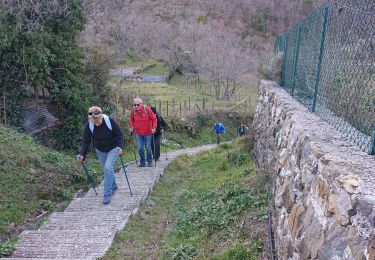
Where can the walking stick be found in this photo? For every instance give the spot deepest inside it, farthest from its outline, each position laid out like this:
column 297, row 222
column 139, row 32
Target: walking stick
column 90, row 180
column 135, row 144
column 153, row 141
column 166, row 152
column 126, row 176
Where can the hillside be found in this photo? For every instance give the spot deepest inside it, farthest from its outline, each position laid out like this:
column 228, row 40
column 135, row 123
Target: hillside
column 33, row 181
column 187, row 35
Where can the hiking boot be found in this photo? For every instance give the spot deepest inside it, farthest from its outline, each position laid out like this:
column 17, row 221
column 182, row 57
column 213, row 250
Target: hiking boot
column 106, row 200
column 142, row 165
column 114, row 190
column 149, row 164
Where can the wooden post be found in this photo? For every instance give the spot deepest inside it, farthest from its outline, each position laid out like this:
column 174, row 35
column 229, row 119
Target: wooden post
column 167, row 108
column 185, row 106
column 116, row 106
column 174, row 105
column 203, row 104
column 5, row 111
column 213, row 104
column 123, row 104
column 160, row 106
column 180, row 108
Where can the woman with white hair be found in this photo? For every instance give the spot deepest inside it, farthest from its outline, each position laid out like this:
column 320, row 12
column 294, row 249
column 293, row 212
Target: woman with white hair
column 108, row 141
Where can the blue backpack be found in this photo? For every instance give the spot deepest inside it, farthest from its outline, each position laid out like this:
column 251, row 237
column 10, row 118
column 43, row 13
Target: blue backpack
column 106, row 120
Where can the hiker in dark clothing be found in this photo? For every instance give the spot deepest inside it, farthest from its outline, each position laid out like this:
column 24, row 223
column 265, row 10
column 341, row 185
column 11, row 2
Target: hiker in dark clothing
column 160, row 128
column 108, row 142
column 242, row 130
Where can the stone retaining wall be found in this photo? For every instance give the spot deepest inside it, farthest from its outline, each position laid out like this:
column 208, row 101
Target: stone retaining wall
column 324, row 193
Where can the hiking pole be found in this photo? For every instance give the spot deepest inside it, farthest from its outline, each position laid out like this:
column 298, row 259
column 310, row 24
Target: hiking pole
column 126, row 176
column 135, row 144
column 153, row 141
column 90, row 180
column 166, row 152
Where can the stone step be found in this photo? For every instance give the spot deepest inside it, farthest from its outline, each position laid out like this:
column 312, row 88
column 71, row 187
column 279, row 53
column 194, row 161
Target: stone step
column 90, row 220
column 123, row 191
column 96, row 203
column 58, row 244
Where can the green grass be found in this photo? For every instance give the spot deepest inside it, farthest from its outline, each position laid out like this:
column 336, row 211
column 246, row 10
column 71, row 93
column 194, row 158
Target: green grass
column 33, row 179
column 6, row 248
column 200, row 210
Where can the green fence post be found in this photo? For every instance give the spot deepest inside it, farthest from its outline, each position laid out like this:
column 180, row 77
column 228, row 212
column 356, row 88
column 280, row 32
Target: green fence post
column 372, row 144
column 321, row 50
column 284, row 59
column 276, row 46
column 296, row 52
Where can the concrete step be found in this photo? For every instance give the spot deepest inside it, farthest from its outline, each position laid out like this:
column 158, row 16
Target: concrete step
column 58, row 244
column 96, row 203
column 90, row 220
column 122, row 192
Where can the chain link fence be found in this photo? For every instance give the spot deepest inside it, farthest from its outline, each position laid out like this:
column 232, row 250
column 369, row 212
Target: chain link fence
column 329, row 66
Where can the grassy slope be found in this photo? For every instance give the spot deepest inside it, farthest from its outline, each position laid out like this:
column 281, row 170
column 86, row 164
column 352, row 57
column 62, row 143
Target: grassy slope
column 177, row 89
column 208, row 206
column 155, row 92
column 33, row 180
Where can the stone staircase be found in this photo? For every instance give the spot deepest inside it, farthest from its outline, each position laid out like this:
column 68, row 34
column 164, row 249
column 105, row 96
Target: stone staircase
column 86, row 229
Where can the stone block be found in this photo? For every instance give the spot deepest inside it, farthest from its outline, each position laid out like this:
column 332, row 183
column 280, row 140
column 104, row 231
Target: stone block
column 294, row 218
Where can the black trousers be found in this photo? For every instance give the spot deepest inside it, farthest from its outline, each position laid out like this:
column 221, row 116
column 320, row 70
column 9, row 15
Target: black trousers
column 155, row 149
column 218, row 138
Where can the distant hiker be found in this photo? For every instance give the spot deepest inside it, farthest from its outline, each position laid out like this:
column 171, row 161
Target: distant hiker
column 143, row 125
column 160, row 128
column 219, row 129
column 108, row 142
column 242, row 130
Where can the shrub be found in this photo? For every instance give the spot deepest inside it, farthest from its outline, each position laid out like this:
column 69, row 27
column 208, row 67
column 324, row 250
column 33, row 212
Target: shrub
column 180, row 124
column 246, row 143
column 182, row 252
column 271, row 68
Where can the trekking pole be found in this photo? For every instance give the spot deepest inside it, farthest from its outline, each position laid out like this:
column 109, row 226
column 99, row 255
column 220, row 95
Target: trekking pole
column 126, row 176
column 166, row 152
column 153, row 142
column 135, row 144
column 90, row 180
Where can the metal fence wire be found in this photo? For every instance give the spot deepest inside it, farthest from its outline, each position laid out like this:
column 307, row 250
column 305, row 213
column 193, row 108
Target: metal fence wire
column 329, row 66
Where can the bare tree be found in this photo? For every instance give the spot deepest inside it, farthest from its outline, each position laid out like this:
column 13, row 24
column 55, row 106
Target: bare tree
column 221, row 58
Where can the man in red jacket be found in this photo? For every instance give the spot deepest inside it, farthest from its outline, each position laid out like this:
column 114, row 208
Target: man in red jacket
column 143, row 124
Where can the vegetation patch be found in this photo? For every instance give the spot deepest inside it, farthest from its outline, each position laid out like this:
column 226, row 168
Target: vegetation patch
column 34, row 181
column 199, row 210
